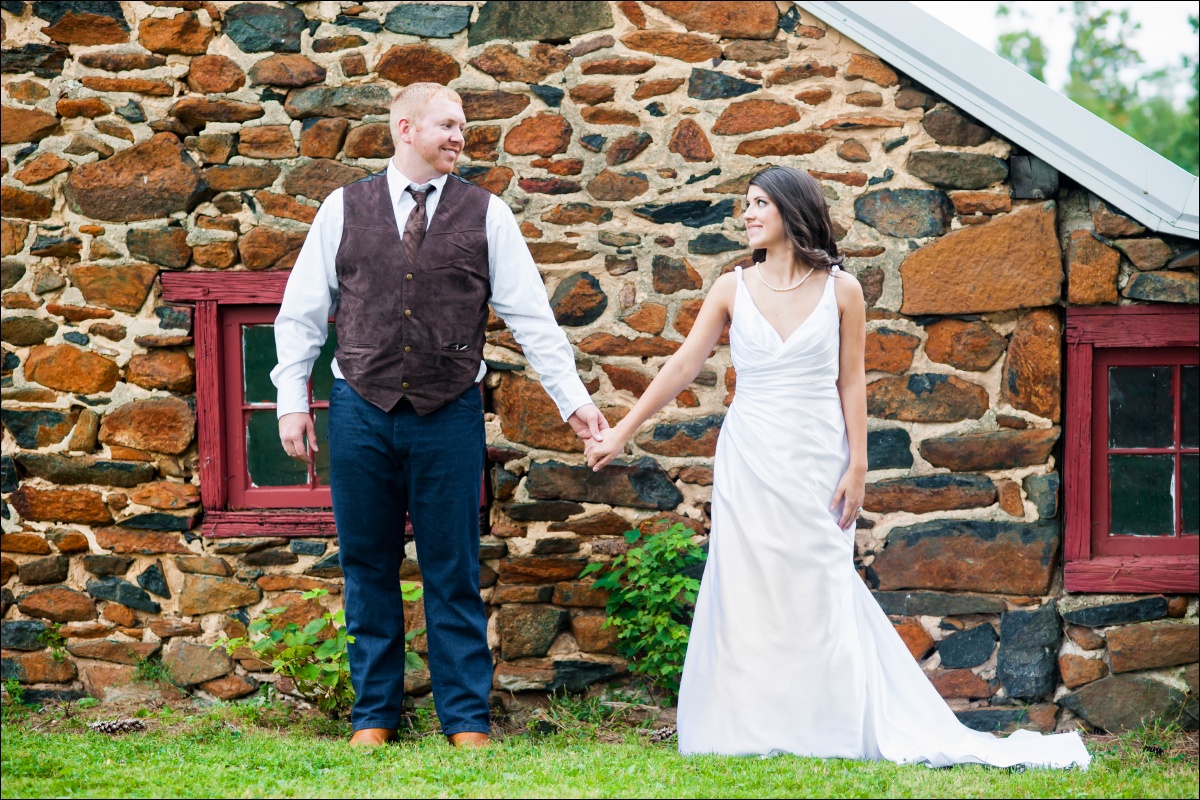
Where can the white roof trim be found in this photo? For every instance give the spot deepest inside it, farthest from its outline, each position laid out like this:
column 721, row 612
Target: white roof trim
column 1132, row 177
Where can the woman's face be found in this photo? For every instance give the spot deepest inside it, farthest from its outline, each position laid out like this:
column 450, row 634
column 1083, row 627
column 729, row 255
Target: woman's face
column 764, row 225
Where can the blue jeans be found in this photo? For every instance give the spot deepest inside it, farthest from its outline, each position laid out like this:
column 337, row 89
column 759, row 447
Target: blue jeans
column 382, row 466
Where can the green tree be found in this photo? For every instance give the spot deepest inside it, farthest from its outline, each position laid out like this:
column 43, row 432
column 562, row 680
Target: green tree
column 1107, row 76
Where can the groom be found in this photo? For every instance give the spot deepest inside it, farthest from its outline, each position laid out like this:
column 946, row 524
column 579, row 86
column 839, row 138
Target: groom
column 408, row 260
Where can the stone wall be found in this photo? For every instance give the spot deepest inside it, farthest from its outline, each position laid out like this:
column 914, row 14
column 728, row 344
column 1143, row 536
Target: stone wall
column 140, row 137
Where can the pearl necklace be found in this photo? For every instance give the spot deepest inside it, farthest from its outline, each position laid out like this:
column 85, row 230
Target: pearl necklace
column 796, row 285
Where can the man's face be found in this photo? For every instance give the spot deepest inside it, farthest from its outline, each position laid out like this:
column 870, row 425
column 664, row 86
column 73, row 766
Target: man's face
column 438, row 136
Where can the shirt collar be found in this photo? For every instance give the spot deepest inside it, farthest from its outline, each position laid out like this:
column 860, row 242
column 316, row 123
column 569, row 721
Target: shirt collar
column 398, row 182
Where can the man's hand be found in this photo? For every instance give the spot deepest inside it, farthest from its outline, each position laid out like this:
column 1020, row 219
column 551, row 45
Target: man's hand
column 588, row 423
column 293, row 430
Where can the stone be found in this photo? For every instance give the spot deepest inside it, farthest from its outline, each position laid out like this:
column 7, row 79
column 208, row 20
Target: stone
column 579, row 594
column 1027, row 660
column 69, row 368
column 25, row 205
column 730, row 20
column 196, row 112
column 1146, row 609
column 647, row 318
column 270, row 558
column 147, row 181
column 502, row 62
column 578, row 300
column 528, row 415
column 528, row 630
column 928, row 493
column 161, row 425
column 40, row 571
column 332, row 44
column 865, row 99
column 890, row 350
column 543, row 134
column 905, row 213
column 83, row 506
column 927, row 397
column 121, row 62
column 783, row 144
column 1092, row 269
column 915, row 638
column 1164, row 287
column 214, row 75
column 954, row 170
column 40, row 169
column 890, row 448
column 690, row 142
column 748, row 116
column 627, row 148
column 1110, row 223
column 967, row 345
column 43, row 60
column 14, row 234
column 190, row 663
column 611, row 186
column 966, row 203
column 26, row 125
column 593, row 635
column 638, row 483
column 1007, row 449
column 607, row 115
column 541, row 569
column 62, row 469
column 257, row 28
column 203, row 565
column 267, row 141
column 317, row 179
column 798, row 72
column 354, row 102
column 123, row 592
column 153, row 580
column 29, row 543
column 133, row 85
column 1041, row 717
column 1121, row 703
column 107, row 566
column 573, row 214
column 553, row 511
column 968, row 648
column 870, row 69
column 290, row 70
column 1012, row 262
column 606, row 523
column 687, row 47
column 1151, row 645
column 697, row 437
column 672, row 275
column 617, row 66
column 936, row 604
column 370, row 141
column 1031, row 372
column 813, row 97
column 860, row 121
column 692, row 213
column 64, row 247
column 69, row 541
column 22, row 634
column 960, row 684
column 430, row 20
column 203, row 594
column 114, row 651
column 754, row 52
column 413, row 63
column 26, row 331
column 854, row 151
column 238, row 177
column 606, row 344
column 1086, row 638
column 36, row 668
column 656, row 88
column 181, row 34
column 1042, row 491
column 523, row 21
column 167, row 247
column 481, row 141
column 492, row 105
column 122, row 540
column 970, row 555
column 57, row 604
column 1077, row 671
column 592, row 93
column 705, row 84
column 167, row 496
column 1032, row 178
column 122, row 616
column 950, row 127
column 40, row 428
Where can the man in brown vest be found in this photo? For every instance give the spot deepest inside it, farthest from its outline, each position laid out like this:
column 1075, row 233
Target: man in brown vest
column 407, row 261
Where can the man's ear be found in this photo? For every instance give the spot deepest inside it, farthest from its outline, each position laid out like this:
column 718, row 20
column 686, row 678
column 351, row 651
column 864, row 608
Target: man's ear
column 405, row 129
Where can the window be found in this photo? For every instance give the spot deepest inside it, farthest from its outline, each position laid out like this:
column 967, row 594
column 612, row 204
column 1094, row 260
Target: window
column 260, row 473
column 1132, row 459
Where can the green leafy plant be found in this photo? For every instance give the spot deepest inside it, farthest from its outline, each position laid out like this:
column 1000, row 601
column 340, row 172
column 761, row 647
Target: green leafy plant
column 319, row 665
column 52, row 637
column 652, row 591
column 151, row 670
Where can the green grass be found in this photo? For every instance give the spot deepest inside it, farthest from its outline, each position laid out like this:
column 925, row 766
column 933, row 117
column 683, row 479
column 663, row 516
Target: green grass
column 273, row 751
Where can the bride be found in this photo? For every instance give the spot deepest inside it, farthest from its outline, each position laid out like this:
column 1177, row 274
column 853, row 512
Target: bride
column 789, row 652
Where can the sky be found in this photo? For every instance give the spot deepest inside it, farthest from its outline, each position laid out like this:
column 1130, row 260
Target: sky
column 1163, row 38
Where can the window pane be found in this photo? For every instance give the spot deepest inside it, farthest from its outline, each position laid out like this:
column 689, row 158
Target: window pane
column 322, row 375
column 1140, row 407
column 265, row 459
column 321, row 461
column 1190, row 405
column 1191, row 494
column 1143, row 500
column 258, row 359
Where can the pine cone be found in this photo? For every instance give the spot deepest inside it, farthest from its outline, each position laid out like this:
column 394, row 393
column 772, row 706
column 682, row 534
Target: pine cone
column 662, row 734
column 113, row 727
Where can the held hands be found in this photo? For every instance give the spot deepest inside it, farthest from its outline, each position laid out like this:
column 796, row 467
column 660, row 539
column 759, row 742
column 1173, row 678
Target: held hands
column 293, row 430
column 588, row 423
column 601, row 451
column 851, row 490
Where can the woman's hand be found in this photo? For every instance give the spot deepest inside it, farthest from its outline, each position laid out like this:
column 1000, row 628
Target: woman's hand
column 601, row 451
column 851, row 490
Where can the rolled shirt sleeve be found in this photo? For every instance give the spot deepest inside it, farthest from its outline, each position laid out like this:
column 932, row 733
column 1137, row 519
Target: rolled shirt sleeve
column 519, row 297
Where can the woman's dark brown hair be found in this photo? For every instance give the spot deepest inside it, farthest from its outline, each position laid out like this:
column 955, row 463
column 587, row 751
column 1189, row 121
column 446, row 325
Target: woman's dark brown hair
column 805, row 215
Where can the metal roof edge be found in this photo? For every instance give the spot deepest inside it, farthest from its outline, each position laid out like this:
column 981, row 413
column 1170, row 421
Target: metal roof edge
column 1141, row 183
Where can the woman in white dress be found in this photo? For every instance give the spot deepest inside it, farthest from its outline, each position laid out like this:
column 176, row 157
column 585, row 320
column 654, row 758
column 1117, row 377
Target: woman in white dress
column 789, row 652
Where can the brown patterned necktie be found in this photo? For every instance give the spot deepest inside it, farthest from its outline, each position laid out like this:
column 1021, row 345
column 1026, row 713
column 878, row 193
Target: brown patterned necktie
column 414, row 228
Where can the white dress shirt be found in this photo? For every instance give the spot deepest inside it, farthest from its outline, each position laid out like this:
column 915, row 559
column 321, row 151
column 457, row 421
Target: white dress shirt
column 517, row 295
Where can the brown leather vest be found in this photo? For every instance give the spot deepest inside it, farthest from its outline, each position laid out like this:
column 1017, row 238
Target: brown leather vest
column 412, row 330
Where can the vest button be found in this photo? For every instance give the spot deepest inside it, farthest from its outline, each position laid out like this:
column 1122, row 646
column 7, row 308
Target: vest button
column 407, row 349
column 408, row 277
column 404, row 385
column 408, row 312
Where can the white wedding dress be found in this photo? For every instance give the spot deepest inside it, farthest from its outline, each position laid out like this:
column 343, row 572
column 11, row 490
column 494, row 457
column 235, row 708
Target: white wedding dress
column 789, row 652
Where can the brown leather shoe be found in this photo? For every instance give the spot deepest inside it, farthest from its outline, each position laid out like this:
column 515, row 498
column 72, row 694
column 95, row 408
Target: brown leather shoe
column 372, row 737
column 470, row 739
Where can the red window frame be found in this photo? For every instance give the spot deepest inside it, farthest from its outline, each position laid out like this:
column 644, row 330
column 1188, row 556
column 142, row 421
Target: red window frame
column 1096, row 339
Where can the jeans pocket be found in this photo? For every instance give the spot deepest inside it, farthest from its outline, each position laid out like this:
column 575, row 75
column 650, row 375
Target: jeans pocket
column 339, row 387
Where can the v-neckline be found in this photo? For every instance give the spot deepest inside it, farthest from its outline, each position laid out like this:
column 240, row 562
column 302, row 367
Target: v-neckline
column 778, row 336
